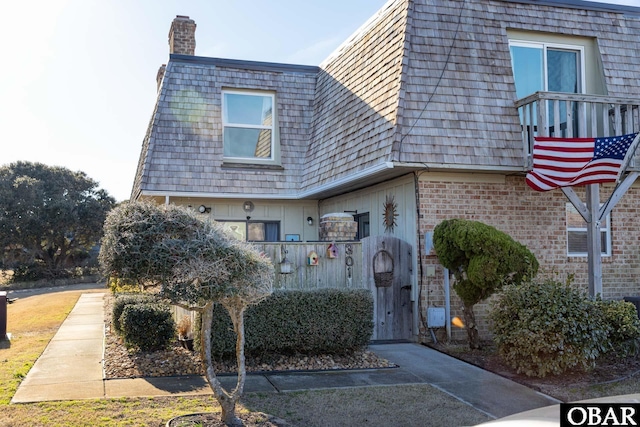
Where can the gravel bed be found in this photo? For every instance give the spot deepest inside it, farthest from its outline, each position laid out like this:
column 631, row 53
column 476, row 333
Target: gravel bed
column 120, row 362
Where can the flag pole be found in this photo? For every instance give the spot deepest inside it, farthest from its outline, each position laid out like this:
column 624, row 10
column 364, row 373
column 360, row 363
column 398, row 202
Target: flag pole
column 596, row 214
column 615, row 197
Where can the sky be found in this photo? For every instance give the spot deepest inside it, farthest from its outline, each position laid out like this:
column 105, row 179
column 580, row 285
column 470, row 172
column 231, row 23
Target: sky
column 77, row 77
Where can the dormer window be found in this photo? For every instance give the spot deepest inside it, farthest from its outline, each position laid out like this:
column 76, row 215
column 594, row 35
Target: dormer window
column 249, row 130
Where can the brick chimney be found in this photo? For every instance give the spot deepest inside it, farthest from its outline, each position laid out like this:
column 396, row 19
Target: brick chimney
column 182, row 36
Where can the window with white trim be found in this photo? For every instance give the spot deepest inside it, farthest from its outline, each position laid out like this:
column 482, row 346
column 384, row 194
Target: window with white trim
column 547, row 66
column 553, row 67
column 577, row 234
column 249, row 126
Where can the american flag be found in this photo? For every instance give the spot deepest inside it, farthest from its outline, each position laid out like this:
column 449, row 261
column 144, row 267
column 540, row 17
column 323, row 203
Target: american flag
column 564, row 162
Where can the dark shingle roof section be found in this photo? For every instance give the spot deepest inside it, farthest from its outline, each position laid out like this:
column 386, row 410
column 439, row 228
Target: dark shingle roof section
column 585, row 5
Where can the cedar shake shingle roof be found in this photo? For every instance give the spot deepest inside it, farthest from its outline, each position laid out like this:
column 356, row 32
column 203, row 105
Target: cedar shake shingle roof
column 470, row 119
column 425, row 82
column 182, row 151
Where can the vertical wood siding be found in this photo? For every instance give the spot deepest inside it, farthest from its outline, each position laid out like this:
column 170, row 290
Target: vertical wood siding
column 329, row 273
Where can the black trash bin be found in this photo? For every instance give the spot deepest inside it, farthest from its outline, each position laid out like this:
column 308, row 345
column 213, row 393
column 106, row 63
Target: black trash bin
column 635, row 301
column 3, row 315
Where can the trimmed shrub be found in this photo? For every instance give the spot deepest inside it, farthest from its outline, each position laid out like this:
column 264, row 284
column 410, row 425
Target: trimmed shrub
column 483, row 259
column 32, row 272
column 623, row 326
column 119, row 304
column 147, row 326
column 547, row 328
column 308, row 322
column 119, row 286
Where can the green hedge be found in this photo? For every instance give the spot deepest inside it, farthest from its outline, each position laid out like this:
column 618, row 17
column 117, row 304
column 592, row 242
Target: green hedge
column 309, row 322
column 621, row 318
column 147, row 326
column 550, row 327
column 121, row 301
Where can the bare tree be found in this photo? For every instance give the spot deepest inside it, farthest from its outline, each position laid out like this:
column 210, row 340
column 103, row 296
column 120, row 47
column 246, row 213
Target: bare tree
column 193, row 263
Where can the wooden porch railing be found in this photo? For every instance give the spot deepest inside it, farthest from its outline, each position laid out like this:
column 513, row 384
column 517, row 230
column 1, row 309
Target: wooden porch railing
column 569, row 115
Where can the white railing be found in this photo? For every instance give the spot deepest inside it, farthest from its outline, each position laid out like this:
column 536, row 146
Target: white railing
column 569, row 115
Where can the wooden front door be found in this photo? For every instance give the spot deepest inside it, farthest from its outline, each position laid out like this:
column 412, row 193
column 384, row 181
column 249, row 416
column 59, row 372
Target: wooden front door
column 387, row 272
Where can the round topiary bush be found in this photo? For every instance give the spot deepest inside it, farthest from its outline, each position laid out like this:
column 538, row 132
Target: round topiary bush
column 147, row 326
column 547, row 328
column 121, row 301
column 482, row 259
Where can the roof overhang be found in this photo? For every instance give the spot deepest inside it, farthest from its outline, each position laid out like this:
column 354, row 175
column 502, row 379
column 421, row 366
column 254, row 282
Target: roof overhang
column 365, row 178
column 391, row 170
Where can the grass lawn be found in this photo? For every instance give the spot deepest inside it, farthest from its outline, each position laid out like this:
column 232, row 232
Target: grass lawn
column 33, row 321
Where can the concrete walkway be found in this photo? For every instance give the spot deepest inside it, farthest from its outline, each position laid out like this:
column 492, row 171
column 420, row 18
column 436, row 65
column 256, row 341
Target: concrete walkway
column 71, row 365
column 71, row 368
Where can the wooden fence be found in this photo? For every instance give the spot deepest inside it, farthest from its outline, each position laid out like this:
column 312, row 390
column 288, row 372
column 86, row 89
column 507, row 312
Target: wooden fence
column 337, row 268
column 343, row 271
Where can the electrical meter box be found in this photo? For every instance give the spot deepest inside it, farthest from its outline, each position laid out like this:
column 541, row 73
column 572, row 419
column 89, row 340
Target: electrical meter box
column 435, row 317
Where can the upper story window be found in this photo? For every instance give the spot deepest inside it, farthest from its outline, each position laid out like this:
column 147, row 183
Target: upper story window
column 539, row 66
column 577, row 234
column 550, row 67
column 249, row 130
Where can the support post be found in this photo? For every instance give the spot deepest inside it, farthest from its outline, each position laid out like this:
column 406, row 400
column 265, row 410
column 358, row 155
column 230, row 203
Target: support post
column 594, row 245
column 447, row 304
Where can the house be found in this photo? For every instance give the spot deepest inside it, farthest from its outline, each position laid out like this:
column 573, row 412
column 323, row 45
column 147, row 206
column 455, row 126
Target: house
column 426, row 113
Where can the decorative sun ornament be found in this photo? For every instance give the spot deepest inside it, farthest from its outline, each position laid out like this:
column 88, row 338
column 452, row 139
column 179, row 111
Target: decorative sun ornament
column 389, row 215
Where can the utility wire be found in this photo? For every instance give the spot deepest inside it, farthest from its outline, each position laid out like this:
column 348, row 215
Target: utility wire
column 435, row 89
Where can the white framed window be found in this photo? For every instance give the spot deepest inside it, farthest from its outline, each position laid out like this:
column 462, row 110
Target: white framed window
column 577, row 234
column 546, row 66
column 550, row 67
column 249, row 131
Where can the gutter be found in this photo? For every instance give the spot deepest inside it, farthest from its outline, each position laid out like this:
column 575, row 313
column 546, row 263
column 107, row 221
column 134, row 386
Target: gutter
column 374, row 170
column 263, row 196
column 457, row 168
column 339, row 183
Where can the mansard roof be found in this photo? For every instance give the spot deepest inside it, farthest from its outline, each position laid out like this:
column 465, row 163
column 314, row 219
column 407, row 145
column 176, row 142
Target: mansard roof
column 423, row 84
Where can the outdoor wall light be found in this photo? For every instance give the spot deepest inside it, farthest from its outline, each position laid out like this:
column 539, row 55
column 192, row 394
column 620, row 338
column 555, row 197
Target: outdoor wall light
column 247, row 206
column 309, row 220
column 203, row 209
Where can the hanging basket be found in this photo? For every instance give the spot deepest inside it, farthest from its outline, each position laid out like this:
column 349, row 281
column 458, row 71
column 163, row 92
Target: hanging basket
column 383, row 269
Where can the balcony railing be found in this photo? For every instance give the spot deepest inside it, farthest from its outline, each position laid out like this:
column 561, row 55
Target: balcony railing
column 569, row 115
